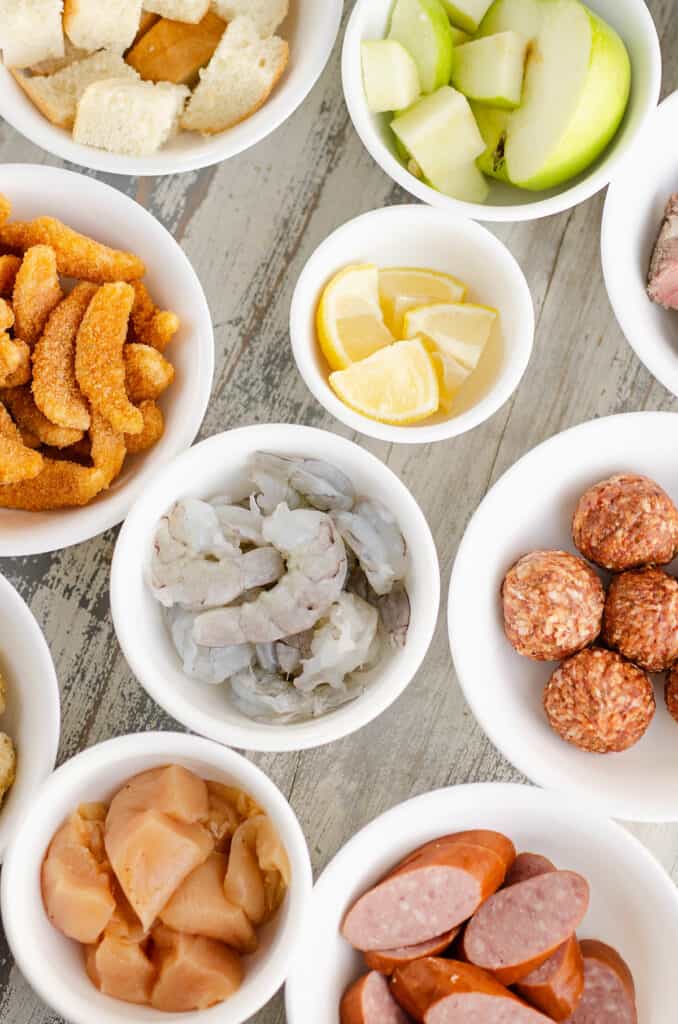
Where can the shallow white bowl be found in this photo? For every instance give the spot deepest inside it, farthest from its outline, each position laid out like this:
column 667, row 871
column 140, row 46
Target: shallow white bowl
column 634, row 904
column 633, row 214
column 311, row 31
column 111, row 217
column 218, row 465
column 54, row 965
column 417, row 236
column 632, row 21
column 531, row 507
column 32, row 718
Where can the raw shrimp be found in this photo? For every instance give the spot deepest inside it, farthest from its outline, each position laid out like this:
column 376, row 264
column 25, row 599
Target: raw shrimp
column 373, row 534
column 196, row 525
column 213, row 665
column 240, row 525
column 316, row 572
column 341, row 645
column 266, row 697
column 320, row 484
column 394, row 612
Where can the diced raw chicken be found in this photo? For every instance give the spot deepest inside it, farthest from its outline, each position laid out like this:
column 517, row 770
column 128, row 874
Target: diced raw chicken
column 76, row 883
column 223, row 817
column 193, row 972
column 172, row 790
column 121, row 969
column 663, row 278
column 125, row 925
column 200, row 907
column 258, row 869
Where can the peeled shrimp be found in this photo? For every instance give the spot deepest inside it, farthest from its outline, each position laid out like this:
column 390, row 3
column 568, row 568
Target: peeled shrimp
column 341, row 645
column 265, row 697
column 394, row 607
column 373, row 534
column 240, row 525
column 319, row 483
column 316, row 572
column 213, row 665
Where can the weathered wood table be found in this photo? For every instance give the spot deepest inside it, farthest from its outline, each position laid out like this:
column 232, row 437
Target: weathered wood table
column 248, row 227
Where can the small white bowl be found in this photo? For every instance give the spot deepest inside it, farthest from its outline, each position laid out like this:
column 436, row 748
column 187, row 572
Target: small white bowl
column 218, row 465
column 54, row 965
column 112, row 217
column 633, row 214
column 530, row 508
column 633, row 22
column 32, row 717
column 634, row 903
column 311, row 30
column 417, row 236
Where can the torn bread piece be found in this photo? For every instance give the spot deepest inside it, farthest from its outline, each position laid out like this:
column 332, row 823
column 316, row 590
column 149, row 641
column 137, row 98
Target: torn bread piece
column 172, row 51
column 56, row 96
column 179, row 10
column 95, row 24
column 134, row 118
column 266, row 14
column 30, row 31
column 54, row 64
column 237, row 81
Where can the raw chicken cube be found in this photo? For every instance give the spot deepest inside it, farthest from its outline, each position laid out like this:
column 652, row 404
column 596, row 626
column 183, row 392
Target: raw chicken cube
column 193, row 972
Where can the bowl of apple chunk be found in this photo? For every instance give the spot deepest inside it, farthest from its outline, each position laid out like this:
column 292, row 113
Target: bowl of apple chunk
column 501, row 110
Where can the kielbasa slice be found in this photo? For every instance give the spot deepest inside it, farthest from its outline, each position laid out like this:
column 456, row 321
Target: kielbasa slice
column 495, row 841
column 432, row 893
column 386, row 960
column 528, row 865
column 369, row 1001
column 609, row 993
column 557, row 986
column 519, row 928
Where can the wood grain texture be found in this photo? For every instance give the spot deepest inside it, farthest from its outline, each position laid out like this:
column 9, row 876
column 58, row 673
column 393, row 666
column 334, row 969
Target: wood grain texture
column 248, row 226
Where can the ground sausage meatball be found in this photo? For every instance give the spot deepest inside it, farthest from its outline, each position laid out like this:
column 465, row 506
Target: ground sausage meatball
column 641, row 618
column 553, row 605
column 671, row 692
column 599, row 702
column 626, row 522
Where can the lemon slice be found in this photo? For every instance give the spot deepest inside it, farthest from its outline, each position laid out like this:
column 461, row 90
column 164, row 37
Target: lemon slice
column 458, row 330
column 405, row 288
column 451, row 376
column 398, row 384
column 350, row 322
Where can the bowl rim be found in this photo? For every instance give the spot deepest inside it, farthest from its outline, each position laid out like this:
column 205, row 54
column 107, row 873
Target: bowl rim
column 45, row 757
column 608, row 255
column 515, row 754
column 113, row 506
column 160, row 745
column 565, row 199
column 56, row 141
column 273, row 738
column 454, row 426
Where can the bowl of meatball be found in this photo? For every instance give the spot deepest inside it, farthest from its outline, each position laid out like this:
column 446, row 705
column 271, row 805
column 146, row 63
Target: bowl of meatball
column 563, row 614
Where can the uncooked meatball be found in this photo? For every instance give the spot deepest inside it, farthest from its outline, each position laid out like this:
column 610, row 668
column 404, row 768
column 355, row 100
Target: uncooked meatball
column 626, row 522
column 641, row 618
column 671, row 693
column 553, row 605
column 599, row 702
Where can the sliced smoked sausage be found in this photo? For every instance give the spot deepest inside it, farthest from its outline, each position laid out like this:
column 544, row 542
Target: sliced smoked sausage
column 386, row 960
column 495, row 841
column 369, row 1001
column 528, row 865
column 520, row 927
column 609, row 993
column 557, row 986
column 431, row 893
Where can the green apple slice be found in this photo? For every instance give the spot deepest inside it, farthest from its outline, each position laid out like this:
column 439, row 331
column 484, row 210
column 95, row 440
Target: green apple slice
column 464, row 181
column 422, row 27
column 490, row 70
column 466, row 14
column 458, row 36
column 575, row 93
column 440, row 133
column 390, row 76
column 492, row 123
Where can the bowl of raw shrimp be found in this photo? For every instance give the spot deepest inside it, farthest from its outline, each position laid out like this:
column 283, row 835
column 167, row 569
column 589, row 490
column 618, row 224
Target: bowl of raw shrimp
column 275, row 588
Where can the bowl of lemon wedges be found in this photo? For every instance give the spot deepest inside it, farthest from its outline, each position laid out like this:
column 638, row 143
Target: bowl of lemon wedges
column 410, row 325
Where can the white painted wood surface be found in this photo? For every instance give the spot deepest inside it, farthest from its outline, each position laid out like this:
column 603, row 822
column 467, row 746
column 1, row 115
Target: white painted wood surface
column 248, row 226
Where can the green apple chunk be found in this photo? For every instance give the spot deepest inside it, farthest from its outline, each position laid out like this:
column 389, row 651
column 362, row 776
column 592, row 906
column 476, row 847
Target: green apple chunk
column 422, row 27
column 575, row 92
column 490, row 70
column 492, row 123
column 466, row 14
column 465, row 182
column 458, row 37
column 390, row 76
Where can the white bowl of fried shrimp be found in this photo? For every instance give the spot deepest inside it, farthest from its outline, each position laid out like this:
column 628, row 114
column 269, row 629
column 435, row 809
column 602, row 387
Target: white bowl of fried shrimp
column 109, row 327
column 275, row 588
column 74, row 804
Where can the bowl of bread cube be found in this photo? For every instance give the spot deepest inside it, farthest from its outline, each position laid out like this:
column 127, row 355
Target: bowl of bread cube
column 148, row 87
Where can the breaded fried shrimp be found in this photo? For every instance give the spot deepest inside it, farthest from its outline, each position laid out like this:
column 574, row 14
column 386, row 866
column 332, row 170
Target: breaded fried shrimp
column 6, row 316
column 148, row 324
column 28, row 417
column 9, row 268
column 154, row 428
column 17, row 355
column 55, row 388
column 36, row 292
column 148, row 373
column 17, row 462
column 76, row 254
column 5, row 209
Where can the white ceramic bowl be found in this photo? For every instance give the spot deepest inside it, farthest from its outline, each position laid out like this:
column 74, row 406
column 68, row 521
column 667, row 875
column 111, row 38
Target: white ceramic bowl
column 417, row 236
column 531, row 507
column 32, row 717
column 632, row 21
column 633, row 214
column 111, row 217
column 634, row 904
column 311, row 31
column 218, row 465
column 54, row 965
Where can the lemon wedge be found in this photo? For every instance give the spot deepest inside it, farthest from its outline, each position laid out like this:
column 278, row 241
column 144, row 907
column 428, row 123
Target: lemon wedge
column 349, row 321
column 405, row 288
column 458, row 330
column 398, row 384
column 451, row 376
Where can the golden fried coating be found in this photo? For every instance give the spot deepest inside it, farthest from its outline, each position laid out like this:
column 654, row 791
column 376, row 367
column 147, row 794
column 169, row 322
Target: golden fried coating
column 7, row 764
column 5, row 209
column 55, row 388
column 3, row 694
column 10, row 356
column 148, row 324
column 76, row 254
column 154, row 428
column 6, row 316
column 36, row 292
column 148, row 373
column 99, row 363
column 28, row 418
column 9, row 268
column 17, row 462
column 14, row 354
